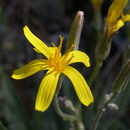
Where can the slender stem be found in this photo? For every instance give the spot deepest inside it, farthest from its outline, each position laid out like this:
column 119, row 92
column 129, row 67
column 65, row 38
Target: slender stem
column 100, row 112
column 95, row 72
column 60, row 113
column 97, row 119
column 56, row 105
column 76, row 117
column 97, row 22
column 78, row 124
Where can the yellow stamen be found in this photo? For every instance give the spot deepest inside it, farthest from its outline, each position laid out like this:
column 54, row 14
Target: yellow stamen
column 53, row 44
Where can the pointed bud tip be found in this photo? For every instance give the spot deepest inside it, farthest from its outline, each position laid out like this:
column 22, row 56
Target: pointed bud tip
column 81, row 13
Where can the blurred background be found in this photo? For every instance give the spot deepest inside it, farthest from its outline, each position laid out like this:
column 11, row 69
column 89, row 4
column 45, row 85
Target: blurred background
column 47, row 20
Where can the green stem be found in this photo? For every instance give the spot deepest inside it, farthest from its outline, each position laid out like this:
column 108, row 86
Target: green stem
column 97, row 22
column 95, row 72
column 100, row 112
column 60, row 113
column 78, row 124
column 76, row 117
column 97, row 119
column 56, row 105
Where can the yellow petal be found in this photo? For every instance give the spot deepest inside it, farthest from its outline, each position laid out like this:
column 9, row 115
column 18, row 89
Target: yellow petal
column 52, row 50
column 36, row 50
column 29, row 69
column 80, row 85
column 126, row 18
column 115, row 10
column 78, row 56
column 118, row 25
column 46, row 91
column 36, row 42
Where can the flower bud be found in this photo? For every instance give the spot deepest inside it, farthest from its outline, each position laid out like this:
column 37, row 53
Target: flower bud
column 103, row 48
column 75, row 32
column 66, row 103
column 69, row 105
column 112, row 106
column 108, row 96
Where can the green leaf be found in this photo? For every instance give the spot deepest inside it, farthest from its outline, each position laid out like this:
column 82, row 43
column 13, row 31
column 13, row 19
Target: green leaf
column 2, row 126
column 12, row 107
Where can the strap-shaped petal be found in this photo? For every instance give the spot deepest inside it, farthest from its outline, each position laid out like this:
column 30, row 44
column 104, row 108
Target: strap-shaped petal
column 36, row 42
column 30, row 68
column 78, row 56
column 126, row 18
column 118, row 25
column 115, row 10
column 52, row 50
column 46, row 91
column 80, row 85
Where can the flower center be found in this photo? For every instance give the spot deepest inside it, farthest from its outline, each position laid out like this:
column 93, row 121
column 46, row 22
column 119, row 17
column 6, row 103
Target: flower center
column 57, row 61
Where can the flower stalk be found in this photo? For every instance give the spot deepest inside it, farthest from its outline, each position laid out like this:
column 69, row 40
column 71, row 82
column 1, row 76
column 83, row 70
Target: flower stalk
column 74, row 38
column 101, row 52
column 120, row 83
column 95, row 71
column 97, row 16
column 56, row 104
column 100, row 112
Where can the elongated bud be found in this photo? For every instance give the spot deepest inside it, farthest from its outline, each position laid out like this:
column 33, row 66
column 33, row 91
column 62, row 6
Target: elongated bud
column 122, row 79
column 75, row 32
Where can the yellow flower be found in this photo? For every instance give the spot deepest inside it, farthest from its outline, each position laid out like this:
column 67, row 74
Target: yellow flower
column 115, row 17
column 55, row 64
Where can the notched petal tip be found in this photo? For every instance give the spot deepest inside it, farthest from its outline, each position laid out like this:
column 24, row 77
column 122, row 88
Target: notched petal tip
column 25, row 28
column 39, row 110
column 79, row 56
column 88, row 64
column 90, row 101
column 46, row 91
column 12, row 76
column 15, row 76
column 80, row 85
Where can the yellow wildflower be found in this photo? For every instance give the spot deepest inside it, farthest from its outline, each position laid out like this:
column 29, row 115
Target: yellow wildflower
column 115, row 17
column 55, row 64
